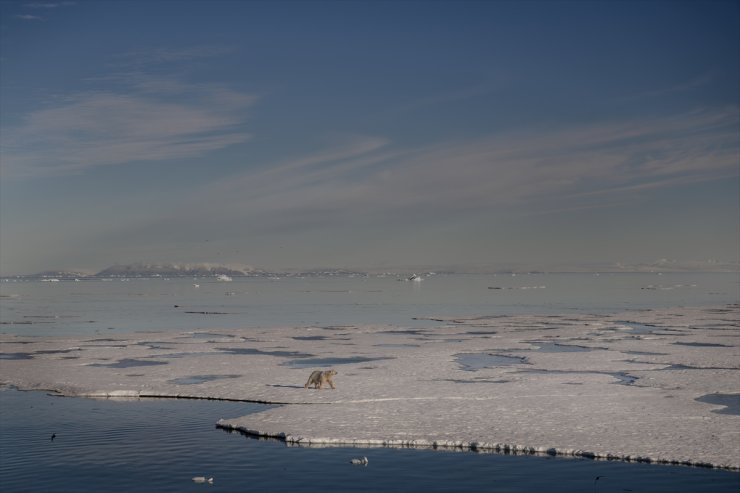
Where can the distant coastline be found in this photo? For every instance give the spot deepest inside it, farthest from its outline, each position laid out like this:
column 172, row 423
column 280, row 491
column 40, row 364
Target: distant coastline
column 155, row 270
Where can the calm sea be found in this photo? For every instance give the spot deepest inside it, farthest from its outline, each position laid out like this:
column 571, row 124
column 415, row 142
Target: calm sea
column 159, row 445
column 100, row 306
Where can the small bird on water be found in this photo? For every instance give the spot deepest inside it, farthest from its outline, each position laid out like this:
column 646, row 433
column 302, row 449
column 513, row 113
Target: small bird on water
column 595, row 480
column 359, row 462
column 53, row 436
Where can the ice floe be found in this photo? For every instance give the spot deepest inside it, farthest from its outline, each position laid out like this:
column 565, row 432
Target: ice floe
column 649, row 386
column 202, row 479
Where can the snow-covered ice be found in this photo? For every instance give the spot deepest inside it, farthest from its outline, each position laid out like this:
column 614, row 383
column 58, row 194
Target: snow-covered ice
column 622, row 386
column 202, row 479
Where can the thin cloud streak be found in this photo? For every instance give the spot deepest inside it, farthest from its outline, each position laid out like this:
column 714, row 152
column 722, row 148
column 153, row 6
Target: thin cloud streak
column 689, row 85
column 49, row 5
column 529, row 165
column 165, row 56
column 677, row 181
column 295, row 174
column 101, row 128
column 528, row 170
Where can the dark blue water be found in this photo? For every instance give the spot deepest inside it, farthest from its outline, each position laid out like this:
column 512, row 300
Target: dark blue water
column 160, row 445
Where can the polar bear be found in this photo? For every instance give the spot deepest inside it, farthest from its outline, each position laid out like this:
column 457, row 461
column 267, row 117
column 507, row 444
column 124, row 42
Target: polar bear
column 318, row 378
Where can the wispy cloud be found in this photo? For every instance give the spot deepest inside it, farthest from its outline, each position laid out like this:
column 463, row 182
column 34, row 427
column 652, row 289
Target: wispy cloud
column 29, row 17
column 370, row 178
column 48, row 5
column 139, row 60
column 131, row 122
column 680, row 87
column 40, row 7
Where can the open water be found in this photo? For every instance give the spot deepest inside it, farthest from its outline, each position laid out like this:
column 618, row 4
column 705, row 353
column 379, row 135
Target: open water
column 125, row 305
column 160, row 445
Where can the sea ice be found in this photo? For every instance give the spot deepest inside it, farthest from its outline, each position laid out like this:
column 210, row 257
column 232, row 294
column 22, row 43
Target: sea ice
column 406, row 387
column 202, row 479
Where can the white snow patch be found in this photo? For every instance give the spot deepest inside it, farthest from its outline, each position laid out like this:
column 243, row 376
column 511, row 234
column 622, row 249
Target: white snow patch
column 631, row 397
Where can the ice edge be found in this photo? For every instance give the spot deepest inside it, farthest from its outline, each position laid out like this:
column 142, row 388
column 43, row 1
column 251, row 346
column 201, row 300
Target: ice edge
column 136, row 394
column 474, row 446
column 506, row 448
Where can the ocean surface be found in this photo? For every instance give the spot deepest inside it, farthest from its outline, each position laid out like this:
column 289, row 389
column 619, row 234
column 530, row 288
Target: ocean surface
column 87, row 307
column 160, row 445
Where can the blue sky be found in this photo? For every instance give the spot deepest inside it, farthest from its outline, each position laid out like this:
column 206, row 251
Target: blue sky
column 368, row 134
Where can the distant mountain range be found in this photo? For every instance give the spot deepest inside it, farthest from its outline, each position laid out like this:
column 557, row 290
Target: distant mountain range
column 154, row 270
column 146, row 270
column 174, row 270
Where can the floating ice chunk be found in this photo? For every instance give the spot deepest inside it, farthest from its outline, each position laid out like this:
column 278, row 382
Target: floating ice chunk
column 413, row 277
column 202, row 479
column 359, row 462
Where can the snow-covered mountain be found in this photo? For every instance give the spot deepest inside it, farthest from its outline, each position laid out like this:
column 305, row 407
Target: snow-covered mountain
column 175, row 270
